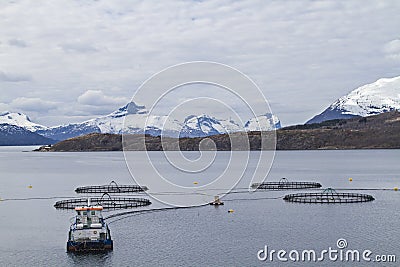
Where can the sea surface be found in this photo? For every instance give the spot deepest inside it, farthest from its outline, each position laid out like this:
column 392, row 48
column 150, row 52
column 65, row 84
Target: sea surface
column 34, row 233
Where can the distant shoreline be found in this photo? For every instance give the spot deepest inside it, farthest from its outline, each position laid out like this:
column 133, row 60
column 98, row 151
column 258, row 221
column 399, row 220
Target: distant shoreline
column 376, row 132
column 286, row 150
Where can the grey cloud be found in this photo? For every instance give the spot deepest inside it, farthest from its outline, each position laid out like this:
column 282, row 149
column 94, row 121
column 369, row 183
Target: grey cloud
column 32, row 104
column 98, row 98
column 80, row 111
column 3, row 107
column 14, row 77
column 392, row 49
column 17, row 43
column 300, row 53
column 78, row 47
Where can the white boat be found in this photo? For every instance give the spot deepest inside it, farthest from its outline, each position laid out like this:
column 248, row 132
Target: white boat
column 89, row 232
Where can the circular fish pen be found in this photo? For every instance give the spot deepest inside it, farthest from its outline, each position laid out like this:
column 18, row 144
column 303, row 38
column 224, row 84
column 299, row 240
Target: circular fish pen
column 113, row 187
column 284, row 184
column 106, row 201
column 328, row 196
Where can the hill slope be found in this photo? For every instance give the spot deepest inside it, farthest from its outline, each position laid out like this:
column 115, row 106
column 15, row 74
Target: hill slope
column 11, row 135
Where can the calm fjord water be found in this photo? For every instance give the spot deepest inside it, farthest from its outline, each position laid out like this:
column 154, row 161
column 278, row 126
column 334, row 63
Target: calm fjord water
column 33, row 233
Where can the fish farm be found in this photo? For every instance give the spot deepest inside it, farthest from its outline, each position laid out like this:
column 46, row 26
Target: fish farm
column 284, row 184
column 113, row 187
column 328, row 196
column 106, row 203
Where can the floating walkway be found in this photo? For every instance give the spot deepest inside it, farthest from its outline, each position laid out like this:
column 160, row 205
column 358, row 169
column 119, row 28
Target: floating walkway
column 113, row 188
column 328, row 196
column 284, row 184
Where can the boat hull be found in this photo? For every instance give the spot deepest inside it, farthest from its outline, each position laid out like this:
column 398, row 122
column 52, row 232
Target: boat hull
column 88, row 246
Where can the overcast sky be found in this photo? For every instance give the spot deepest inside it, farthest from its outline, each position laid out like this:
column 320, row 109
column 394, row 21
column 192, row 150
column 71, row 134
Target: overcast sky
column 67, row 61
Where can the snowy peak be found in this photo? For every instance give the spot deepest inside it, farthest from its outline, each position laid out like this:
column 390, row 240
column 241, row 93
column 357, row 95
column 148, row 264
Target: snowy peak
column 266, row 122
column 202, row 125
column 230, row 125
column 20, row 120
column 128, row 109
column 370, row 99
column 205, row 125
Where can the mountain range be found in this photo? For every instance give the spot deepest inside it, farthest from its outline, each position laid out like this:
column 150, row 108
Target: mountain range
column 374, row 132
column 131, row 118
column 378, row 97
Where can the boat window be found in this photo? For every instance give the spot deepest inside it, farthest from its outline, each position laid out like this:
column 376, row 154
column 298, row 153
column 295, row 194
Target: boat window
column 84, row 212
column 79, row 213
column 93, row 212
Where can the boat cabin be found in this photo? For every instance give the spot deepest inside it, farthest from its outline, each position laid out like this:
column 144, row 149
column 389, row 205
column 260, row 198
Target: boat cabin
column 89, row 217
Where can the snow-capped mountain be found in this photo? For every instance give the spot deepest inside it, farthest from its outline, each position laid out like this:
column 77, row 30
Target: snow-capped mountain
column 128, row 119
column 264, row 122
column 63, row 132
column 203, row 125
column 230, row 125
column 198, row 126
column 370, row 99
column 21, row 120
column 131, row 118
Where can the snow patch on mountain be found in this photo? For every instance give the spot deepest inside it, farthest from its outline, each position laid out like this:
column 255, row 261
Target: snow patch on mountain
column 230, row 125
column 266, row 122
column 130, row 108
column 370, row 99
column 203, row 125
column 20, row 120
column 131, row 119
